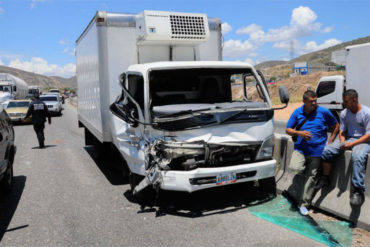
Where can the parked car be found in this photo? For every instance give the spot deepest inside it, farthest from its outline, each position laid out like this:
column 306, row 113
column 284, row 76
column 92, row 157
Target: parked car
column 7, row 152
column 53, row 103
column 57, row 91
column 17, row 109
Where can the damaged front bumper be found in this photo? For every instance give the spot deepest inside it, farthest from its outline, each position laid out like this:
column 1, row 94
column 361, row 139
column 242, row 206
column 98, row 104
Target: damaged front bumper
column 203, row 178
column 200, row 165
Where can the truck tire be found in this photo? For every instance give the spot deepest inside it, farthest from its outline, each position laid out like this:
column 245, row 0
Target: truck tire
column 89, row 138
column 268, row 186
column 147, row 195
column 7, row 182
column 99, row 149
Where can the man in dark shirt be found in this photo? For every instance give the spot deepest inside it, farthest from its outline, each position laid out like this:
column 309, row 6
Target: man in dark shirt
column 39, row 112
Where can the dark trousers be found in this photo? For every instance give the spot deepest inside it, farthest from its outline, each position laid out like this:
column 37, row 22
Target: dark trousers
column 39, row 129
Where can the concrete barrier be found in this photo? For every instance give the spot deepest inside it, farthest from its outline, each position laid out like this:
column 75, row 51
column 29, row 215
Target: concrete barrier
column 334, row 199
column 73, row 101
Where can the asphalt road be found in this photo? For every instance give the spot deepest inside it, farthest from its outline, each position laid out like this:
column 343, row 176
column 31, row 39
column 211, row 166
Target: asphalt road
column 64, row 197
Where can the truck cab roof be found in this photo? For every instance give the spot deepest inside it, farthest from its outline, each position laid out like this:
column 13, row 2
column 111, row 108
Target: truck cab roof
column 143, row 68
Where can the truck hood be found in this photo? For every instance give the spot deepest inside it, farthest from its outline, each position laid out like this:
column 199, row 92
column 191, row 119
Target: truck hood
column 228, row 133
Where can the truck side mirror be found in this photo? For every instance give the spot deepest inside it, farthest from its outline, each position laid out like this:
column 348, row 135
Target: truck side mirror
column 284, row 94
column 284, row 97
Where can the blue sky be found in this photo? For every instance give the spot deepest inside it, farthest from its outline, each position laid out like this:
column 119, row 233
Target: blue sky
column 39, row 35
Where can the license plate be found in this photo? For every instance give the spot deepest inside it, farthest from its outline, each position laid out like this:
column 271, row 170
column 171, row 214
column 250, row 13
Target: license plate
column 226, row 178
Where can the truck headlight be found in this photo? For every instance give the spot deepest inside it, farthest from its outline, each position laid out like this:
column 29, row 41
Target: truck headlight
column 267, row 149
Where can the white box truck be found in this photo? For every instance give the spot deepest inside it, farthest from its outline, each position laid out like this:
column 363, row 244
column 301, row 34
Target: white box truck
column 330, row 88
column 16, row 87
column 152, row 88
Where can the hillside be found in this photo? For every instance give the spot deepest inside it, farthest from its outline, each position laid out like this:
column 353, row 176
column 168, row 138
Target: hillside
column 41, row 80
column 284, row 68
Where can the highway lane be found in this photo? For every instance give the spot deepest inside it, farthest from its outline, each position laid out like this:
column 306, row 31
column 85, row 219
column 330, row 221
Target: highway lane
column 64, row 197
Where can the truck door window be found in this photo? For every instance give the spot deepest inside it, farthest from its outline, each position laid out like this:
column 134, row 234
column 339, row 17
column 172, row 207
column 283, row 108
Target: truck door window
column 325, row 88
column 136, row 89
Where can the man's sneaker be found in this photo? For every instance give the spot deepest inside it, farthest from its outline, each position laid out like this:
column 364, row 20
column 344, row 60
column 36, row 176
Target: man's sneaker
column 323, row 182
column 303, row 210
column 357, row 198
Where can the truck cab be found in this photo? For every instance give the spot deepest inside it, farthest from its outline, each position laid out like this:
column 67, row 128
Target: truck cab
column 329, row 92
column 186, row 126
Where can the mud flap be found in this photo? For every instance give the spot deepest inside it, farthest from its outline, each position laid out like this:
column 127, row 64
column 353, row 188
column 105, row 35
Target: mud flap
column 153, row 178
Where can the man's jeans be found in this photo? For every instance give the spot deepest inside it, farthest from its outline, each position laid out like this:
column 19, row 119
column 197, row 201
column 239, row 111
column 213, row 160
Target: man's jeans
column 359, row 160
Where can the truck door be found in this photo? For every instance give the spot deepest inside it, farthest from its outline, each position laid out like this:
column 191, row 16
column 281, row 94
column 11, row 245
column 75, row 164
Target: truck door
column 127, row 118
column 329, row 94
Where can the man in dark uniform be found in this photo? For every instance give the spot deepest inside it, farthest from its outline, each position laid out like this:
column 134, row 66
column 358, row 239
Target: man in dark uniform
column 39, row 112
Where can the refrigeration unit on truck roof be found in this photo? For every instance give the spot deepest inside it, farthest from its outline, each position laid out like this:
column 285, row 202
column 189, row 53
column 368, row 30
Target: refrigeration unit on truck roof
column 172, row 28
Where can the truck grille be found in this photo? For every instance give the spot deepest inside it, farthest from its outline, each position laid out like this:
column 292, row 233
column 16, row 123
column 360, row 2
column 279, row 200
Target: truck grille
column 50, row 106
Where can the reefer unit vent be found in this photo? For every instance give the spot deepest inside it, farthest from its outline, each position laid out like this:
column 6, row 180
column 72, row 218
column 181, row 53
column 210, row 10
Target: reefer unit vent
column 172, row 28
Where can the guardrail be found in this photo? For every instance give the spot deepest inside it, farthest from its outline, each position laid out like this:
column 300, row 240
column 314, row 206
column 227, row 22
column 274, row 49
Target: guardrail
column 333, row 199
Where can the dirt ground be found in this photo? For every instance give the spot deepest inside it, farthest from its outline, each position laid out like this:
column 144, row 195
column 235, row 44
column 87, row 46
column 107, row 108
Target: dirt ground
column 284, row 114
column 360, row 237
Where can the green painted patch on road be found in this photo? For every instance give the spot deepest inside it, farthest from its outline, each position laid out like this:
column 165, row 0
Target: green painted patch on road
column 279, row 212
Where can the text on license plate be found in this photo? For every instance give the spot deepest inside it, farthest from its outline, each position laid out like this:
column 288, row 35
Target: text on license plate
column 226, row 178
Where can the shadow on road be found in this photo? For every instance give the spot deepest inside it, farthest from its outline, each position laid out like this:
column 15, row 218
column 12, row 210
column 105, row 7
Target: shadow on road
column 9, row 204
column 206, row 202
column 46, row 146
column 111, row 168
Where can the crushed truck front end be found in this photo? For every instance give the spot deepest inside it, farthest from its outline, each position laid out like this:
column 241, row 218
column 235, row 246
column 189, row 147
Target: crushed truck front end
column 193, row 127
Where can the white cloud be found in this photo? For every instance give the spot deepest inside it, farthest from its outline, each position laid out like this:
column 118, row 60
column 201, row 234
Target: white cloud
column 226, row 28
column 253, row 54
column 62, row 42
column 252, row 28
column 327, row 30
column 40, row 66
column 313, row 46
column 237, row 48
column 33, row 2
column 302, row 24
column 250, row 61
column 302, row 17
column 66, row 49
column 1, row 62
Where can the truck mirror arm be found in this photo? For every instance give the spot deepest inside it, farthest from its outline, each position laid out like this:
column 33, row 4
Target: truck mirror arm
column 280, row 108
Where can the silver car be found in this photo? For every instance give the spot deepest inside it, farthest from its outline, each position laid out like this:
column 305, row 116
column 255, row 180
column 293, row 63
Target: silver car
column 52, row 101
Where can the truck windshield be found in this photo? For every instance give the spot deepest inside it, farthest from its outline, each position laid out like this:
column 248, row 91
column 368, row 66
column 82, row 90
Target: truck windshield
column 33, row 91
column 195, row 89
column 4, row 88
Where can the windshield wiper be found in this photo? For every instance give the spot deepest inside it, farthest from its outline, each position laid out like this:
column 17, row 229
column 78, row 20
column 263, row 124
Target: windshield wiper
column 232, row 116
column 185, row 112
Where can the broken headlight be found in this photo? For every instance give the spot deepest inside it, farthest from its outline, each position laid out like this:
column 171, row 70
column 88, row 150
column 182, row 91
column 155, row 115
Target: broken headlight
column 267, row 149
